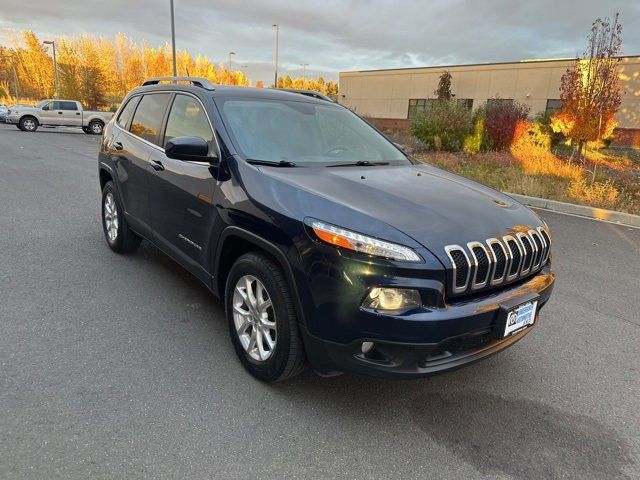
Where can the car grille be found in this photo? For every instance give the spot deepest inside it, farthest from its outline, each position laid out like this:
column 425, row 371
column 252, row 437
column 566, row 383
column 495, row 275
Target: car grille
column 497, row 261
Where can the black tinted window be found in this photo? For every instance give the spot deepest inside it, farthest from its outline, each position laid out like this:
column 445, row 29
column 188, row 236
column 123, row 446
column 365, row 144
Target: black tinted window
column 149, row 115
column 127, row 112
column 68, row 106
column 187, row 118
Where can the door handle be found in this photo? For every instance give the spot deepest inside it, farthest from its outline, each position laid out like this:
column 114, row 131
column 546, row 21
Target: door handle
column 59, row 113
column 77, row 113
column 157, row 165
column 118, row 145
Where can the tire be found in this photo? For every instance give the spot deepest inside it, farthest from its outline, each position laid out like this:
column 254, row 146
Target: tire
column 28, row 124
column 86, row 130
column 96, row 127
column 124, row 240
column 287, row 357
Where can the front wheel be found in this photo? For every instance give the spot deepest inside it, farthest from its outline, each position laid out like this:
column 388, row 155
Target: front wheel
column 119, row 236
column 28, row 124
column 262, row 320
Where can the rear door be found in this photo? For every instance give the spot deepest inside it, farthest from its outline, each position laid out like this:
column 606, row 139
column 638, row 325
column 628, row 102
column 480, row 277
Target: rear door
column 182, row 212
column 71, row 113
column 138, row 128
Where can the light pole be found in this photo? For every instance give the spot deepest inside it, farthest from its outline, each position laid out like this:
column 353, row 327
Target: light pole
column 275, row 81
column 55, row 65
column 15, row 75
column 304, row 70
column 229, row 69
column 173, row 41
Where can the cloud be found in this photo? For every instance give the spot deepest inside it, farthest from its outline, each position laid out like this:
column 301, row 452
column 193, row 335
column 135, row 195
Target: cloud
column 337, row 35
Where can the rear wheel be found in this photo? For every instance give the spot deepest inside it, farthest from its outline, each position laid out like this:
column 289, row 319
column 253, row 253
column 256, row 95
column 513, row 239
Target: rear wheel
column 262, row 320
column 119, row 236
column 28, row 124
column 95, row 127
column 86, row 130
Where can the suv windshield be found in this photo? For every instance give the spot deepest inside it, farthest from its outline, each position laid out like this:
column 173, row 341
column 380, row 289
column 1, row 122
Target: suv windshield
column 305, row 133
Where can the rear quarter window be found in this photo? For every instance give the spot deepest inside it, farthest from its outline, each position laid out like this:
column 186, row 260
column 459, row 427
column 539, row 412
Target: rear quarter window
column 127, row 112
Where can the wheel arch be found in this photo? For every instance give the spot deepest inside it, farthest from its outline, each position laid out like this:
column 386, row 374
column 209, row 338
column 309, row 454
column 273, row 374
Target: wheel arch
column 105, row 176
column 234, row 242
column 29, row 115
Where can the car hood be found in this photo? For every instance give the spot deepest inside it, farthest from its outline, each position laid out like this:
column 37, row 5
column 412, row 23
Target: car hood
column 434, row 207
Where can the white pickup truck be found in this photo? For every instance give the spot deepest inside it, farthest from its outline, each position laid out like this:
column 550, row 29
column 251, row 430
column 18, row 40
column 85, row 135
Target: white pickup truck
column 59, row 113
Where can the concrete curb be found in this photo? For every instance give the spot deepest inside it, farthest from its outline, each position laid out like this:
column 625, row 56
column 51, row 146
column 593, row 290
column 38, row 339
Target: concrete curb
column 580, row 210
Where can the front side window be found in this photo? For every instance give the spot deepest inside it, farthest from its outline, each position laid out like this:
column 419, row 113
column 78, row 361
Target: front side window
column 148, row 118
column 187, row 119
column 304, row 133
column 53, row 106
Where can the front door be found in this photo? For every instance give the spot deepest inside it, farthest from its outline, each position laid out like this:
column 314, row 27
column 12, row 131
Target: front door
column 182, row 212
column 52, row 114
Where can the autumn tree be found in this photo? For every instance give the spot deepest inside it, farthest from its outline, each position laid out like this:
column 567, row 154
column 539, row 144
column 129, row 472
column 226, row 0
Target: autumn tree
column 590, row 91
column 443, row 92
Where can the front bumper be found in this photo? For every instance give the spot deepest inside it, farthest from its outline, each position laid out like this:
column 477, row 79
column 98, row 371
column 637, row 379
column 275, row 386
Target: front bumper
column 445, row 338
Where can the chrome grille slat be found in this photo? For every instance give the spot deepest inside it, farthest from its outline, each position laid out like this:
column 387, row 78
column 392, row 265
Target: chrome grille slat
column 527, row 253
column 498, row 260
column 481, row 262
column 454, row 250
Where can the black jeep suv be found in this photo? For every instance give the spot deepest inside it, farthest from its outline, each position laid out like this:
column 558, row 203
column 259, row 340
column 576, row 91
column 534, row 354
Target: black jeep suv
column 328, row 244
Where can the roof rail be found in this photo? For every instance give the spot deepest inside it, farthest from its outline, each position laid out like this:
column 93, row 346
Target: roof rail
column 196, row 81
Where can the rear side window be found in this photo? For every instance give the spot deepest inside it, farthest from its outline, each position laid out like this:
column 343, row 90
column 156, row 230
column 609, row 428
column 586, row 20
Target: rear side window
column 187, row 118
column 149, row 115
column 127, row 112
column 68, row 106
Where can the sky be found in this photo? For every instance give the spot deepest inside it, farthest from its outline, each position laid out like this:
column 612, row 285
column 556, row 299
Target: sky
column 333, row 36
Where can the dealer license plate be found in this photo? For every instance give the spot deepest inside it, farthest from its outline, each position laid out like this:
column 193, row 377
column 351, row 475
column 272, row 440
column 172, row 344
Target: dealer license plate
column 520, row 317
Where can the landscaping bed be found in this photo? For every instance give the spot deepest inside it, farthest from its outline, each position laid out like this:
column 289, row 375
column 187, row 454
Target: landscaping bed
column 615, row 185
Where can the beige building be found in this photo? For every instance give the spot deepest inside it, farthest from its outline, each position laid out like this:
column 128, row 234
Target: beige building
column 392, row 97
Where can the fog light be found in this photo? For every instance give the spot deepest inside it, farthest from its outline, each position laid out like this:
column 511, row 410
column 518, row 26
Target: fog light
column 366, row 347
column 392, row 299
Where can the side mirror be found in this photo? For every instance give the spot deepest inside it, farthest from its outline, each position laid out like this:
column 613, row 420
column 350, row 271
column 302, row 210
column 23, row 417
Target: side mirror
column 46, row 107
column 193, row 149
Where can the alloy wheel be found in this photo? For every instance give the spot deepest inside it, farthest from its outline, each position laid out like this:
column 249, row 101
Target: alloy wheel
column 96, row 128
column 254, row 318
column 29, row 124
column 111, row 217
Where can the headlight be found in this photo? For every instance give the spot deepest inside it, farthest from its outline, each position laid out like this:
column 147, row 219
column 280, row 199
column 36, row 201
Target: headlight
column 392, row 299
column 361, row 243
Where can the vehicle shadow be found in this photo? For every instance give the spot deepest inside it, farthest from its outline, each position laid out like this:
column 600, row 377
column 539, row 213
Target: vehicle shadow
column 517, row 437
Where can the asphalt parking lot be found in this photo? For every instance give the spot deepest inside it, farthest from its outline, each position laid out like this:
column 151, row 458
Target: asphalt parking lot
column 121, row 367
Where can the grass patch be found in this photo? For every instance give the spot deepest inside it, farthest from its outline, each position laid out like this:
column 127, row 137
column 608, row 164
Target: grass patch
column 610, row 188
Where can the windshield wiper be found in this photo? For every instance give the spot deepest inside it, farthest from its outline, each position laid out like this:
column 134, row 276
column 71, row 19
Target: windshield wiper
column 360, row 163
column 281, row 163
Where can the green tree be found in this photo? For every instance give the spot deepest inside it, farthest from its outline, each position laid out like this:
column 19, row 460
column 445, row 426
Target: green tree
column 443, row 92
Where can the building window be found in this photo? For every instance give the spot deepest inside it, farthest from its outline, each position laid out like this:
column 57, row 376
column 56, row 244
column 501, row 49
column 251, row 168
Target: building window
column 498, row 102
column 553, row 105
column 467, row 102
column 417, row 105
